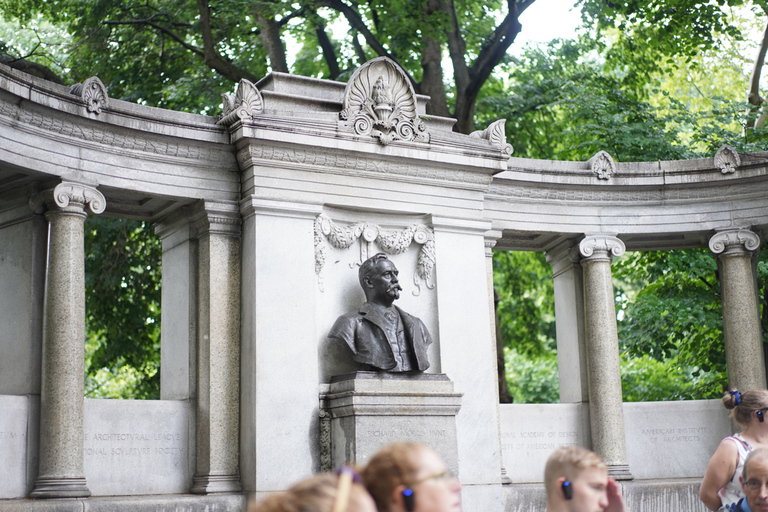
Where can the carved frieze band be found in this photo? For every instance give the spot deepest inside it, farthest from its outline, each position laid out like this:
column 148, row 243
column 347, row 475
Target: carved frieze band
column 496, row 136
column 379, row 101
column 93, row 93
column 388, row 241
column 601, row 246
column 727, row 159
column 69, row 196
column 114, row 140
column 602, row 165
column 246, row 104
column 328, row 161
column 734, row 240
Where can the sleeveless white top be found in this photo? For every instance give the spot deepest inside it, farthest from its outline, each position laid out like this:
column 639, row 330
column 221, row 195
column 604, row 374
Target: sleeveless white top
column 732, row 492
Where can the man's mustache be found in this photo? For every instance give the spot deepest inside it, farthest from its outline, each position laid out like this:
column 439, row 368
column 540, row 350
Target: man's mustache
column 394, row 287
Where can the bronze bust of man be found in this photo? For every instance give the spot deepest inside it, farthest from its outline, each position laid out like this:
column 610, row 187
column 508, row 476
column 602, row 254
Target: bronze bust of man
column 381, row 335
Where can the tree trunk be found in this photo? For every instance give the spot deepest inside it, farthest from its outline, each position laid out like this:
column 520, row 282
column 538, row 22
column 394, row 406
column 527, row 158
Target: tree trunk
column 432, row 79
column 270, row 36
column 753, row 95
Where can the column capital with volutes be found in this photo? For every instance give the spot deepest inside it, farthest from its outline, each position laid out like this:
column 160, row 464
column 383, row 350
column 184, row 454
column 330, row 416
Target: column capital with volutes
column 69, row 197
column 734, row 241
column 601, row 246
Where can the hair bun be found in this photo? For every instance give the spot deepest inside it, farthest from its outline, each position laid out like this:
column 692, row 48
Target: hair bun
column 731, row 399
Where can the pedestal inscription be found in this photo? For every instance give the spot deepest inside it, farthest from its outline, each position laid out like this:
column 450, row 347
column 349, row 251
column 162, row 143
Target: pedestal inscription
column 370, row 410
column 13, row 446
column 137, row 447
column 530, row 432
column 673, row 439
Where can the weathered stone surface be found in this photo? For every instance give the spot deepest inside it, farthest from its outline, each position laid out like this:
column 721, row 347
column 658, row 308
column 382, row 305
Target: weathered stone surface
column 673, row 439
column 14, row 440
column 372, row 409
column 138, row 446
column 530, row 432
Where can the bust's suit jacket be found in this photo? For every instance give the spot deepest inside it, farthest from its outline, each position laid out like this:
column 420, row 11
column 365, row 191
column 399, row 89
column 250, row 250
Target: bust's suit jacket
column 364, row 333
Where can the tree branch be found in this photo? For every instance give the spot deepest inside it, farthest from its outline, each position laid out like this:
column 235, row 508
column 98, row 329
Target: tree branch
column 211, row 57
column 753, row 94
column 159, row 28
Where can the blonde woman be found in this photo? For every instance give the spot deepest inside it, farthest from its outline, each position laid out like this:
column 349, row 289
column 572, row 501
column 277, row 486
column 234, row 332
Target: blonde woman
column 721, row 489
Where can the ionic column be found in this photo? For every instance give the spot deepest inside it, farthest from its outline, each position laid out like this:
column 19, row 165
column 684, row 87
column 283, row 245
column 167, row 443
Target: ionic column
column 568, row 283
column 218, row 349
column 735, row 250
column 490, row 241
column 61, row 473
column 605, row 402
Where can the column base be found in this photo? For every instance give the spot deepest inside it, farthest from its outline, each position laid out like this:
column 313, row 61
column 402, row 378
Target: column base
column 60, row 488
column 212, row 484
column 620, row 472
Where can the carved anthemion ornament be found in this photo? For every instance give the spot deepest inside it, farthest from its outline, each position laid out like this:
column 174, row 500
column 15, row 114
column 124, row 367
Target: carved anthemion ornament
column 388, row 241
column 727, row 159
column 246, row 104
column 93, row 93
column 380, row 101
column 739, row 239
column 496, row 136
column 602, row 165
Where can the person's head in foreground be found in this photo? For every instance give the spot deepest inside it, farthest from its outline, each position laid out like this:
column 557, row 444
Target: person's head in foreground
column 576, row 480
column 326, row 492
column 408, row 477
column 754, row 481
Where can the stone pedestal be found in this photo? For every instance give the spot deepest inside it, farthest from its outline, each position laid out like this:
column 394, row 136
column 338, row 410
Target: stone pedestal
column 735, row 249
column 61, row 472
column 604, row 374
column 369, row 410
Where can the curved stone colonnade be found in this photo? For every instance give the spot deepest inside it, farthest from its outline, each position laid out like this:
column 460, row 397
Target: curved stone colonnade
column 236, row 200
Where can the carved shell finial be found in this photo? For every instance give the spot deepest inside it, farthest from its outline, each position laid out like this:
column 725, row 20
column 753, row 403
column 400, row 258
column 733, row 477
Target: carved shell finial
column 93, row 93
column 602, row 165
column 246, row 104
column 496, row 136
column 379, row 101
column 727, row 159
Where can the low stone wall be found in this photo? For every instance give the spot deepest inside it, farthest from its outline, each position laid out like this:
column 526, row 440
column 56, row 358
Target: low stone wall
column 664, row 439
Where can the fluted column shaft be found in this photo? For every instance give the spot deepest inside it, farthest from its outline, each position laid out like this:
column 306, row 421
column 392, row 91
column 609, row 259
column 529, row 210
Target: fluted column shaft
column 735, row 250
column 61, row 471
column 604, row 375
column 218, row 350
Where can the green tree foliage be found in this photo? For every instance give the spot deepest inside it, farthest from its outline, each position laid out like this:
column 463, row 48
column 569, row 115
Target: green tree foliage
column 122, row 289
column 184, row 54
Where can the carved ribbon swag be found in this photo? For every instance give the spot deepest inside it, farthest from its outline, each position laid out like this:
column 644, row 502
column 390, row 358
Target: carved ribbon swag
column 389, row 241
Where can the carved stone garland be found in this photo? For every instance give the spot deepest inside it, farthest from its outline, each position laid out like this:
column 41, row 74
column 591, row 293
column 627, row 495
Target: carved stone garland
column 93, row 93
column 727, row 159
column 496, row 136
column 390, row 242
column 602, row 165
column 246, row 104
column 380, row 101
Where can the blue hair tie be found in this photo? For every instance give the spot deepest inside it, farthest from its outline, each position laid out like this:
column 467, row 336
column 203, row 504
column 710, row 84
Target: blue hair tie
column 737, row 396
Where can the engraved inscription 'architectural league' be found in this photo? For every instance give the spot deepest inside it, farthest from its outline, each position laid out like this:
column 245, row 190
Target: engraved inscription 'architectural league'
column 389, row 241
column 380, row 101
